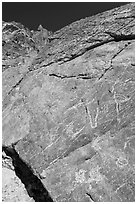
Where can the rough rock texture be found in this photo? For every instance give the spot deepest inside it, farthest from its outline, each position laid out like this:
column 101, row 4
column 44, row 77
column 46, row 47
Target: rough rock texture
column 12, row 189
column 68, row 108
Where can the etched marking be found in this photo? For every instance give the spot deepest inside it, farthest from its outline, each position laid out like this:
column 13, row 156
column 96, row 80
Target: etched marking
column 120, row 187
column 121, row 162
column 117, row 106
column 76, row 133
column 93, row 122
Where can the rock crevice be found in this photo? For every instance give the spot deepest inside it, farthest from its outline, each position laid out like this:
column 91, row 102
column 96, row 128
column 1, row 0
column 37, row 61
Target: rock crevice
column 32, row 183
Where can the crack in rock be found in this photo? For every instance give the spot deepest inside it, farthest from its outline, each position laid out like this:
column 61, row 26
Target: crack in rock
column 116, row 38
column 91, row 198
column 17, row 84
column 79, row 76
column 111, row 62
column 88, row 124
column 120, row 37
column 31, row 182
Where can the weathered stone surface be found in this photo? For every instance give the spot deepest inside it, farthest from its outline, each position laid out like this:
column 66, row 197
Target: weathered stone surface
column 12, row 188
column 68, row 108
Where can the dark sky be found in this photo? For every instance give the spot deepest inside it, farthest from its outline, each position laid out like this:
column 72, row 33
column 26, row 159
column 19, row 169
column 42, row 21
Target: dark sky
column 52, row 15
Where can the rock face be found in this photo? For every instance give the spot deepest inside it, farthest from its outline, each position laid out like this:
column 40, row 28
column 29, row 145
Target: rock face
column 12, row 189
column 68, row 108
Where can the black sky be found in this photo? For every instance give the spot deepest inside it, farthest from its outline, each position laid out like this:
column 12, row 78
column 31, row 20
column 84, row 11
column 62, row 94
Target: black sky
column 52, row 15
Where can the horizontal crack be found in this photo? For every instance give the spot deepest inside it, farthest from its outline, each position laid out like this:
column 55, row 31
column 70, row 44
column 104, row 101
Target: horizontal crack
column 115, row 38
column 120, row 37
column 82, row 51
column 31, row 182
column 79, row 76
column 125, row 17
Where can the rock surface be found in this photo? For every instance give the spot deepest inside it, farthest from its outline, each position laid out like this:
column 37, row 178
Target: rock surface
column 12, row 189
column 68, row 108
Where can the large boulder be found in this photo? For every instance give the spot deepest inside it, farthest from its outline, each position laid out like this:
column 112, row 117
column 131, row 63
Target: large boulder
column 68, row 107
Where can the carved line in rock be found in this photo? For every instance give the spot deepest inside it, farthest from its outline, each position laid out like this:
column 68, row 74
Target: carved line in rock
column 65, row 152
column 31, row 182
column 93, row 121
